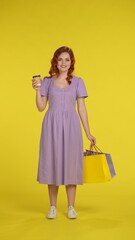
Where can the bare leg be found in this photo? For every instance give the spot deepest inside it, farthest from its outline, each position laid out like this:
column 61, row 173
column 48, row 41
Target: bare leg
column 53, row 192
column 71, row 192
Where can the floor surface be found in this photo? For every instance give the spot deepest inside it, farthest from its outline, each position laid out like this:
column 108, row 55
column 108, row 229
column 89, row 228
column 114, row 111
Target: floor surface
column 104, row 212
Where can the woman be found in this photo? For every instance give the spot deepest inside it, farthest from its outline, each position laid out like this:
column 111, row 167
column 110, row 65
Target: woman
column 61, row 146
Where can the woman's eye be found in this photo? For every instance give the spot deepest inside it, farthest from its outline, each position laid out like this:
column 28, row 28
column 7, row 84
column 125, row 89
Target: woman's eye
column 60, row 59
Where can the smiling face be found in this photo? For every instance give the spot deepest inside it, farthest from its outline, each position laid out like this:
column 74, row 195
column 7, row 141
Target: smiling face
column 64, row 62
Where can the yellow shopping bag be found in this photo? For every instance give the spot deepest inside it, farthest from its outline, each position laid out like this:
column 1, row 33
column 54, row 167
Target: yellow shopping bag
column 96, row 167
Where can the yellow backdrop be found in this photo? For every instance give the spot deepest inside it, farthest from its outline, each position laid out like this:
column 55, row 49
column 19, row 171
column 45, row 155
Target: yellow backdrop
column 102, row 36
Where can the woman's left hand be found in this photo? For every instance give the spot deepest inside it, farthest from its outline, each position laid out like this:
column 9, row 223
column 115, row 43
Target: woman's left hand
column 92, row 139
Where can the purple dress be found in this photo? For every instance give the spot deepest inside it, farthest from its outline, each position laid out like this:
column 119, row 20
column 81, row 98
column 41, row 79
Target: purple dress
column 61, row 145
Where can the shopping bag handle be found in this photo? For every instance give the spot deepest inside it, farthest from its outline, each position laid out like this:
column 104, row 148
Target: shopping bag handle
column 96, row 148
column 92, row 148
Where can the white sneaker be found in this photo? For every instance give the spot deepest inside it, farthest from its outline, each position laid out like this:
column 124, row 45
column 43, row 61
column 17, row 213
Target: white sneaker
column 71, row 213
column 52, row 213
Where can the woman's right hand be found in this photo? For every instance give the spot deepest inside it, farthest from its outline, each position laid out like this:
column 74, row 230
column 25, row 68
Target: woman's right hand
column 36, row 82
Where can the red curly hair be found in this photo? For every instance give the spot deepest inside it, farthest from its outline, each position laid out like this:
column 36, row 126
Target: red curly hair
column 54, row 70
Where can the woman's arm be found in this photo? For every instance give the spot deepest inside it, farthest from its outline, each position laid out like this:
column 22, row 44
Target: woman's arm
column 41, row 101
column 84, row 119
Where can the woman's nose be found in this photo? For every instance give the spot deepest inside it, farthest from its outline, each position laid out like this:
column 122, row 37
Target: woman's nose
column 63, row 62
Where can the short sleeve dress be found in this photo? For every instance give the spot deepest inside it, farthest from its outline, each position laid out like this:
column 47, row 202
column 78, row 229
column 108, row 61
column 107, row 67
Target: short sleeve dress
column 61, row 144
